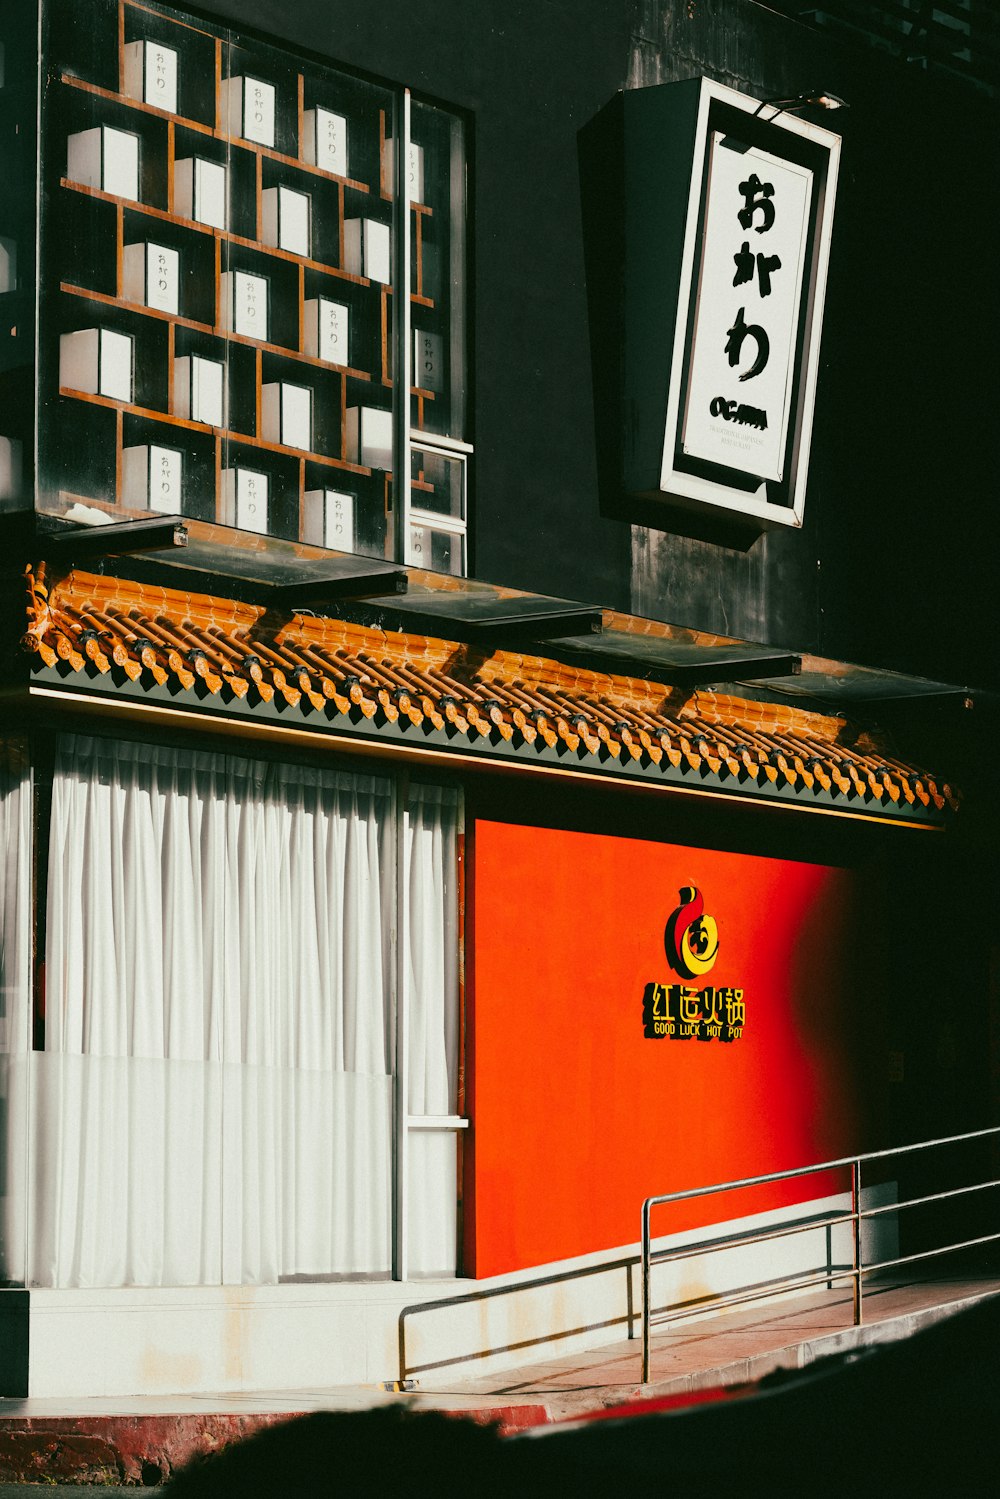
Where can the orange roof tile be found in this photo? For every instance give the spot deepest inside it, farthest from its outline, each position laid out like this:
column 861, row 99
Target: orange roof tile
column 138, row 633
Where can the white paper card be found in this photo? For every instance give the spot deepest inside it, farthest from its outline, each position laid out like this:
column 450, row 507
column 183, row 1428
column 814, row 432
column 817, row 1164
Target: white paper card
column 286, row 415
column 248, row 109
column 116, row 366
column 151, row 478
column 8, row 264
column 199, row 390
column 244, row 499
column 369, row 436
column 201, row 191
column 285, row 219
column 414, row 170
column 11, row 468
column 106, row 159
column 97, row 362
column 328, row 519
column 415, row 173
column 428, row 360
column 151, row 74
column 152, row 276
column 244, row 304
column 327, row 330
column 324, row 140
column 367, row 249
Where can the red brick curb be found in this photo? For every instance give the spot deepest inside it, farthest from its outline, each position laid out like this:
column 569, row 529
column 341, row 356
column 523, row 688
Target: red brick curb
column 147, row 1449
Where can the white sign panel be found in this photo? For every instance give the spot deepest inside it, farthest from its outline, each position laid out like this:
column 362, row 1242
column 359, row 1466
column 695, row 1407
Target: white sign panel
column 248, row 108
column 151, row 74
column 151, row 478
column 151, row 276
column 324, row 140
column 742, row 360
column 245, row 499
column 327, row 330
column 328, row 519
column 244, row 304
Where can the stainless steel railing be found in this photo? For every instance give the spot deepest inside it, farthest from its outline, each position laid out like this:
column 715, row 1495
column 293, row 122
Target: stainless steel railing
column 855, row 1272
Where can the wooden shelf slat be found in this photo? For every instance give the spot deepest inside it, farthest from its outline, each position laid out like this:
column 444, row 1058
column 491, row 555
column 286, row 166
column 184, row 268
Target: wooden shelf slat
column 223, row 235
column 243, row 438
column 239, row 338
column 210, row 130
column 121, row 47
column 174, row 20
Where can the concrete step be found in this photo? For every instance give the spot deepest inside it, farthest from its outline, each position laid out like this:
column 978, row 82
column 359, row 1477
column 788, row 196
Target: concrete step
column 727, row 1348
column 143, row 1440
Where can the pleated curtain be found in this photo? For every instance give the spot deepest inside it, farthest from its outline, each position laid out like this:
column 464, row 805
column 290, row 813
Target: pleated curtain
column 214, row 1100
column 15, row 1007
column 431, row 870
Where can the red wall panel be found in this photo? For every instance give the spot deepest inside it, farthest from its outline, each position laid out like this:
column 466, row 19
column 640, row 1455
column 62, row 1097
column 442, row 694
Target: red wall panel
column 576, row 1115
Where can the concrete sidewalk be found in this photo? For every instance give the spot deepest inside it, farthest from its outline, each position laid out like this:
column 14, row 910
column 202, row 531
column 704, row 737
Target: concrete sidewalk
column 143, row 1440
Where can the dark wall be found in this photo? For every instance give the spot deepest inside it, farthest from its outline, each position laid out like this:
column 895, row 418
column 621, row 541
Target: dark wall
column 531, row 73
column 896, row 559
column 895, row 563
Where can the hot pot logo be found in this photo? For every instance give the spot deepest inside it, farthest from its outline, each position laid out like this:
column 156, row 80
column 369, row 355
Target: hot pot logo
column 691, row 938
column 680, row 1011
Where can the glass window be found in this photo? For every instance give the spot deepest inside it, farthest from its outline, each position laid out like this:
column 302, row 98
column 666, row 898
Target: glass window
column 437, row 518
column 221, row 245
column 18, row 111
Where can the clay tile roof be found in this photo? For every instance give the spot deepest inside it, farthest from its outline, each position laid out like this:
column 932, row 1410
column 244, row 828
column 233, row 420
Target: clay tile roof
column 132, row 636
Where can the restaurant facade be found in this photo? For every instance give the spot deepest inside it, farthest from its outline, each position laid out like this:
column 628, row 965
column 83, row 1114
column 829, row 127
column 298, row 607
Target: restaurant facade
column 476, row 758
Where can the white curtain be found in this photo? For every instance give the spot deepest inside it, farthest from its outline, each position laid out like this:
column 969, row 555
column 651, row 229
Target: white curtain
column 432, row 995
column 214, row 1101
column 15, row 1005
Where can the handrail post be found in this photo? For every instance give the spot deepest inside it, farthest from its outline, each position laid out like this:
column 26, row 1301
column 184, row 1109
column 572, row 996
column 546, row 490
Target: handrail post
column 856, row 1225
column 645, row 1292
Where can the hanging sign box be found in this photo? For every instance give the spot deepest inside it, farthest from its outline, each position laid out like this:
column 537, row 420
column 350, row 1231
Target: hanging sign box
column 728, row 209
column 744, row 337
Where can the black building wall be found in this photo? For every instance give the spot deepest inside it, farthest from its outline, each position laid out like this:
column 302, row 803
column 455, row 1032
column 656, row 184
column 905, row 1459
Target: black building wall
column 895, row 563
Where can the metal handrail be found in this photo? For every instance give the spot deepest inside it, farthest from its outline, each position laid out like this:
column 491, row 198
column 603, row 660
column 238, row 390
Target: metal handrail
column 855, row 1271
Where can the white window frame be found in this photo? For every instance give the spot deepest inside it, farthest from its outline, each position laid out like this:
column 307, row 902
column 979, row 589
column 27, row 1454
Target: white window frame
column 455, row 451
column 405, row 1122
